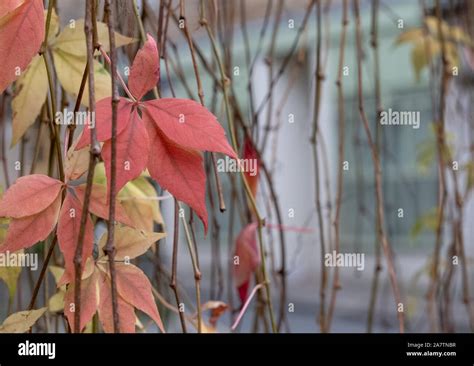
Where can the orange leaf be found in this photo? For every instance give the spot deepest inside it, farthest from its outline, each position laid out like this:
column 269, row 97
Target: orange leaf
column 178, row 170
column 27, row 231
column 248, row 253
column 251, row 154
column 88, row 300
column 132, row 151
column 189, row 124
column 98, row 203
column 145, row 71
column 125, row 310
column 29, row 195
column 21, row 35
column 103, row 121
column 68, row 233
column 134, row 286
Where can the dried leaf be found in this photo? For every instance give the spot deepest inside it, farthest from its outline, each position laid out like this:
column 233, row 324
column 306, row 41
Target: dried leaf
column 131, row 243
column 22, row 321
column 77, row 163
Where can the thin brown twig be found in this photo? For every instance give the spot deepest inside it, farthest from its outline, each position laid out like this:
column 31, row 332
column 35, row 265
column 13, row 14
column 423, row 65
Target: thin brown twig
column 340, row 179
column 185, row 29
column 174, row 266
column 314, row 142
column 110, row 247
column 378, row 110
column 89, row 27
column 378, row 175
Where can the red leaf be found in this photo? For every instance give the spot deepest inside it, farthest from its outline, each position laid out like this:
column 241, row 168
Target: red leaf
column 134, row 286
column 27, row 231
column 88, row 301
column 29, row 195
column 21, row 35
column 251, row 154
column 125, row 310
column 178, row 170
column 132, row 152
column 145, row 71
column 8, row 5
column 189, row 124
column 68, row 233
column 246, row 249
column 103, row 121
column 99, row 206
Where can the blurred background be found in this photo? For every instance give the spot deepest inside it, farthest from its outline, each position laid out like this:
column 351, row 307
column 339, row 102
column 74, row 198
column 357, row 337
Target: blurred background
column 282, row 61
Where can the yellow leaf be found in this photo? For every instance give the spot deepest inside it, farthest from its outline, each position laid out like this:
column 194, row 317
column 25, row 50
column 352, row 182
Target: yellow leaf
column 31, row 92
column 3, row 223
column 452, row 55
column 410, row 35
column 70, row 69
column 22, row 321
column 207, row 329
column 99, row 174
column 130, row 243
column 10, row 275
column 56, row 302
column 53, row 26
column 422, row 53
column 3, row 229
column 72, row 39
column 138, row 200
column 77, row 162
column 57, row 272
column 432, row 24
column 450, row 33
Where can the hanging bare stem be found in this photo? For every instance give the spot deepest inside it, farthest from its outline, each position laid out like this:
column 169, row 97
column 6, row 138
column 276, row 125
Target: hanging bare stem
column 340, row 180
column 110, row 247
column 90, row 28
column 378, row 175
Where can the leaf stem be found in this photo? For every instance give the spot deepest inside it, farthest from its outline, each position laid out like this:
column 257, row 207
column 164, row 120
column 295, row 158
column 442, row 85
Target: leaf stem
column 377, row 173
column 122, row 82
